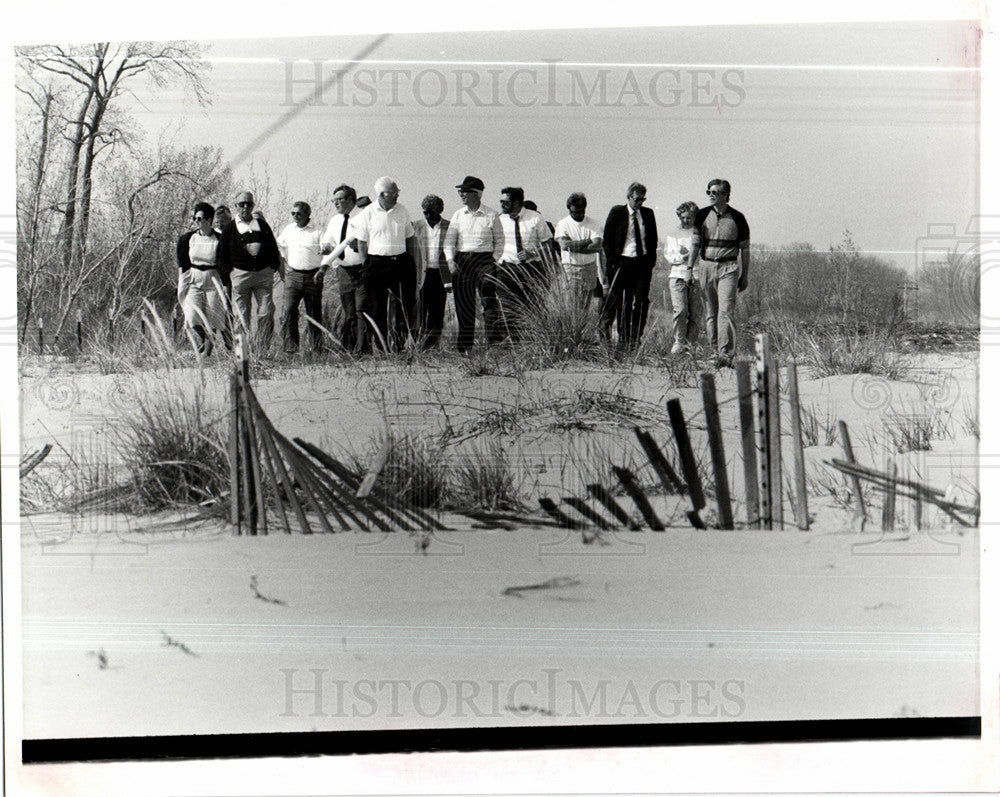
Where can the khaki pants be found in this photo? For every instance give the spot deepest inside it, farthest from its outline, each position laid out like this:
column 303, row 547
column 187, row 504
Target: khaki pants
column 719, row 288
column 256, row 286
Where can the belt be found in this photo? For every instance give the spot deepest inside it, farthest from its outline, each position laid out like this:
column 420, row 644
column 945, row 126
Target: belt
column 304, row 270
column 720, row 260
column 391, row 257
column 203, row 268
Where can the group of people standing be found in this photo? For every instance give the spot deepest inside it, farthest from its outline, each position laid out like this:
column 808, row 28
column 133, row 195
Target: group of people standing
column 394, row 274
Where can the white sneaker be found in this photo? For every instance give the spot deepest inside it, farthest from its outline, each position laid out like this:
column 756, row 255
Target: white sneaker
column 679, row 348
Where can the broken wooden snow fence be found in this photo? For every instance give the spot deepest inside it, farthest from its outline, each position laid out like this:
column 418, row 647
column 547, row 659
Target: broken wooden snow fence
column 760, row 443
column 893, row 485
column 298, row 480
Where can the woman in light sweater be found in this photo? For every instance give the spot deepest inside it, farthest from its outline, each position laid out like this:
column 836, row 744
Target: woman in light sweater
column 685, row 294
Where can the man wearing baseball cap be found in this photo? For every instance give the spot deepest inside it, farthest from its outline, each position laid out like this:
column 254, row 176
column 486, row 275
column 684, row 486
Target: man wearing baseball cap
column 473, row 246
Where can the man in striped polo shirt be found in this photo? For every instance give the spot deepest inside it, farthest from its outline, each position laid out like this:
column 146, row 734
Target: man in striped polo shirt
column 722, row 238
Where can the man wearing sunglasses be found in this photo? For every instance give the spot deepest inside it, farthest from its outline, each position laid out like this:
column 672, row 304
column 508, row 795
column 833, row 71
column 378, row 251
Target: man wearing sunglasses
column 301, row 253
column 249, row 251
column 722, row 239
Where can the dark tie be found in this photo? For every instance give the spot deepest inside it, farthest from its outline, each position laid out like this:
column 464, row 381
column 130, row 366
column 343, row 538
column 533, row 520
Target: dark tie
column 638, row 235
column 343, row 232
column 518, row 244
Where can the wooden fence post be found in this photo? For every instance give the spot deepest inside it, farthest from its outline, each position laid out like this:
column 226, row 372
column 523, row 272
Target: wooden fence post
column 762, row 363
column 774, row 441
column 798, row 456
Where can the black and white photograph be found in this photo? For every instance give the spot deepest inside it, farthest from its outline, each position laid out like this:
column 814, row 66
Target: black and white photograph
column 526, row 400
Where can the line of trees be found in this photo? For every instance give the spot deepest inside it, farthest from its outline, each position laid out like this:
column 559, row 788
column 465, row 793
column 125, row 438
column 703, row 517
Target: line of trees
column 98, row 207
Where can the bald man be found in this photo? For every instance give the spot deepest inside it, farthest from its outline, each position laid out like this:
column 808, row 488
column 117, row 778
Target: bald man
column 385, row 240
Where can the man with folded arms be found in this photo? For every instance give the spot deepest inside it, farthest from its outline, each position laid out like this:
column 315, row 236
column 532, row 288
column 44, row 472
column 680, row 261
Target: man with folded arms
column 721, row 236
column 579, row 239
column 301, row 253
column 473, row 246
column 348, row 268
column 385, row 239
column 249, row 250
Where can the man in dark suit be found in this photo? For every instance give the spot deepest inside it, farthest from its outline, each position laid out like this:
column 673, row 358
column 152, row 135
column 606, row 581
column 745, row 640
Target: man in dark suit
column 630, row 245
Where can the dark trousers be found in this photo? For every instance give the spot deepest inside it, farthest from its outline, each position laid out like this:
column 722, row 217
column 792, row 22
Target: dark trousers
column 430, row 308
column 628, row 300
column 390, row 293
column 520, row 288
column 475, row 274
column 351, row 287
column 306, row 287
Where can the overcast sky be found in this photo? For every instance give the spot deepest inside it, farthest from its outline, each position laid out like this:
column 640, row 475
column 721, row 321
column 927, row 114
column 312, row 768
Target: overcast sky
column 819, row 127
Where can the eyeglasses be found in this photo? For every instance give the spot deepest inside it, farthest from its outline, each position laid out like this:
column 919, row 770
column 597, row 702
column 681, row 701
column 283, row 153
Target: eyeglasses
column 244, row 204
column 298, row 213
column 713, row 192
column 200, row 218
column 338, row 199
column 638, row 199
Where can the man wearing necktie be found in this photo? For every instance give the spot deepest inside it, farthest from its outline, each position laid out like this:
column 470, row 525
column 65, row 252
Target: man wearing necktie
column 350, row 285
column 630, row 242
column 523, row 276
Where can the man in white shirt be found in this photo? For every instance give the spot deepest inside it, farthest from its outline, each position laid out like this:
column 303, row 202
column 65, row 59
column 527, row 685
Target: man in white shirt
column 385, row 239
column 348, row 267
column 473, row 246
column 580, row 238
column 433, row 277
column 301, row 255
column 523, row 275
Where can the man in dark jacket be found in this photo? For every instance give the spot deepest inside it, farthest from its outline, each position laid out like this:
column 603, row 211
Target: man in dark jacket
column 249, row 252
column 630, row 246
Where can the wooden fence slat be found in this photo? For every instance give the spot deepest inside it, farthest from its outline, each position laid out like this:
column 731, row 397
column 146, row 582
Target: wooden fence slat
column 845, row 441
column 609, row 502
column 668, row 477
column 745, row 397
column 627, row 479
column 581, row 506
column 717, row 451
column 688, row 463
column 560, row 517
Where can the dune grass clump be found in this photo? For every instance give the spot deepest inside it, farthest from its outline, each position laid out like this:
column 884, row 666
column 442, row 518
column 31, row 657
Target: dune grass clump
column 484, row 478
column 416, row 468
column 833, row 352
column 174, row 448
column 915, row 431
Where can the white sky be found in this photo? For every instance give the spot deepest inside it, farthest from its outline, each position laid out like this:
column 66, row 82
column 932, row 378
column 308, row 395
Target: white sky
column 820, row 127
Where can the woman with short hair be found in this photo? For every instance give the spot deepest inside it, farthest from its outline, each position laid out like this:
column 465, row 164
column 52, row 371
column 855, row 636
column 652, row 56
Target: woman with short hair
column 685, row 292
column 202, row 302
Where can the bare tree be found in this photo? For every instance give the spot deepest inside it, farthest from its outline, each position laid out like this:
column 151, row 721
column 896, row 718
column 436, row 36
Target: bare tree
column 103, row 72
